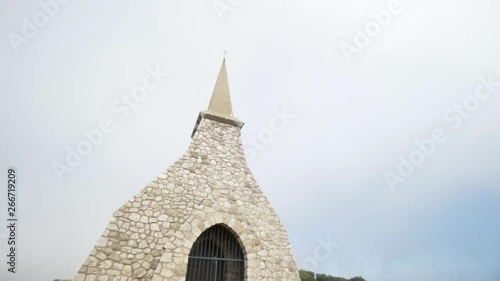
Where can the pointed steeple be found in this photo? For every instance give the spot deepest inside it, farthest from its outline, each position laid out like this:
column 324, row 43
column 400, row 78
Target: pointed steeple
column 220, row 103
column 220, row 108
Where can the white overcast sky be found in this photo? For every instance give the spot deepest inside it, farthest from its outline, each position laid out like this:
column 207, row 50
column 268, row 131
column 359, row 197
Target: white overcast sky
column 323, row 173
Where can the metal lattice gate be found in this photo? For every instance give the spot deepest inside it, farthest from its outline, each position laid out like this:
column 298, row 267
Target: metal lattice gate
column 216, row 256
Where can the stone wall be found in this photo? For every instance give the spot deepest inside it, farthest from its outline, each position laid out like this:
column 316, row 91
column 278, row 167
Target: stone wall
column 150, row 237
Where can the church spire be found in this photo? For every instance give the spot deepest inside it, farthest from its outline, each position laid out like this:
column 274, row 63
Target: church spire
column 220, row 103
column 220, row 108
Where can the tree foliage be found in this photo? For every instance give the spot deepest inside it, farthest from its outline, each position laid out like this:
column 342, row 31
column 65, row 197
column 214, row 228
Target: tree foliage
column 311, row 276
column 306, row 275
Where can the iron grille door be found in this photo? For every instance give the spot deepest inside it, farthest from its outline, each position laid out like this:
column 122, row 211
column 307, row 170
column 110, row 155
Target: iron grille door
column 216, row 256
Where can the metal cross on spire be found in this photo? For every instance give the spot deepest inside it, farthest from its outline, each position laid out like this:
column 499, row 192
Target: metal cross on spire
column 225, row 53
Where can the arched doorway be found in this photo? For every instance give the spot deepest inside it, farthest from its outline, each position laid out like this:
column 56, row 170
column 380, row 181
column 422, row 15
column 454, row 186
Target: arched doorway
column 216, row 256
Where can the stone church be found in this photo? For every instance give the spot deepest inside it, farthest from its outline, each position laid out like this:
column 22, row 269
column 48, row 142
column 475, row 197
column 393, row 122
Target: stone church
column 205, row 218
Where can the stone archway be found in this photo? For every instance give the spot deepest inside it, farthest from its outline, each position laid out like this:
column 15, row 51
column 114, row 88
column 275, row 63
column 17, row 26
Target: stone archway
column 216, row 256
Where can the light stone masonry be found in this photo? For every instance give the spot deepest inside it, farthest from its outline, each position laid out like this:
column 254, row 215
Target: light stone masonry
column 150, row 237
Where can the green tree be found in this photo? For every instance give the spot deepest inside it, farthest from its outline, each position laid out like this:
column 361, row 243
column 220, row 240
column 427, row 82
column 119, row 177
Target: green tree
column 310, row 276
column 323, row 277
column 306, row 275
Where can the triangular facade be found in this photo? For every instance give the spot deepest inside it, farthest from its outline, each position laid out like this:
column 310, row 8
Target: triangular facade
column 203, row 219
